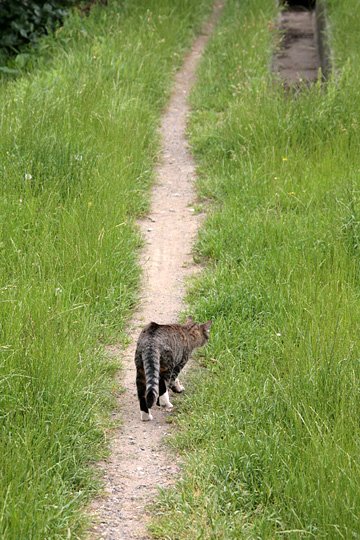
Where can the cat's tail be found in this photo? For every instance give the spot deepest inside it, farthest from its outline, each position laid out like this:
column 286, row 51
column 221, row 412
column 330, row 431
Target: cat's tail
column 151, row 360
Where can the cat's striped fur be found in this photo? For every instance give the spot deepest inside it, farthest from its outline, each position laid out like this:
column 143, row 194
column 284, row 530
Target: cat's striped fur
column 161, row 353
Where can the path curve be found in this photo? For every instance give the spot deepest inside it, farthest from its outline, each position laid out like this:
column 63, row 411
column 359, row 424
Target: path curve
column 139, row 462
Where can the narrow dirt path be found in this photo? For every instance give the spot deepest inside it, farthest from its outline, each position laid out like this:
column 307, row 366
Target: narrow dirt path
column 139, row 462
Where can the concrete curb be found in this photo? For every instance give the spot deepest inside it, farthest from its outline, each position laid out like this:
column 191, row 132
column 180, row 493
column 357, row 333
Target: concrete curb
column 322, row 38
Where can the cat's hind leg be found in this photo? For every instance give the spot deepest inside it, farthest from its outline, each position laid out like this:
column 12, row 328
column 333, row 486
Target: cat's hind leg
column 164, row 400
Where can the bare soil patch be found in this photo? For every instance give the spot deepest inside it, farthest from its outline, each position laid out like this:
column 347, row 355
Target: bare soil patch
column 139, row 462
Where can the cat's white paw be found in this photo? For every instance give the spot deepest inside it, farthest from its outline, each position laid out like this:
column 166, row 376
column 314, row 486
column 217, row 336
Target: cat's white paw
column 178, row 386
column 165, row 401
column 146, row 417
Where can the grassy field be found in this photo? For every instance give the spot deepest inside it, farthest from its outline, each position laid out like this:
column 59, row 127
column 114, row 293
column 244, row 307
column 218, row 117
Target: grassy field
column 269, row 429
column 77, row 149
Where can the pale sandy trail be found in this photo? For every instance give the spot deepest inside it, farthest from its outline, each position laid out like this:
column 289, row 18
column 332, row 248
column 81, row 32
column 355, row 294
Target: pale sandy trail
column 139, row 462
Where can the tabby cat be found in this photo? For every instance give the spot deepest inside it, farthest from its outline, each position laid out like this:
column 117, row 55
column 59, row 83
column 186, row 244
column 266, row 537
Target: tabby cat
column 161, row 353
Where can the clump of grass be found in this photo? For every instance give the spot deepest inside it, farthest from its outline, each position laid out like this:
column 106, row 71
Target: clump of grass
column 77, row 150
column 270, row 429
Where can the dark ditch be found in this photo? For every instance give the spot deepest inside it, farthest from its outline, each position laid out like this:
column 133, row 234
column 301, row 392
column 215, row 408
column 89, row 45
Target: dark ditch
column 303, row 54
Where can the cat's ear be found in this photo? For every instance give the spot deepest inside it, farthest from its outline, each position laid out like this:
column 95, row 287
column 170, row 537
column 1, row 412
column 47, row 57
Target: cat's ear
column 189, row 321
column 206, row 326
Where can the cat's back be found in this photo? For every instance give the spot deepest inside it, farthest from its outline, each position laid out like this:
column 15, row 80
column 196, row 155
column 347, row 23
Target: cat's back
column 161, row 335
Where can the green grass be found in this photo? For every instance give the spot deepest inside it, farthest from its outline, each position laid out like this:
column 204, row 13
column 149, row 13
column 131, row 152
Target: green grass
column 270, row 430
column 77, row 151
